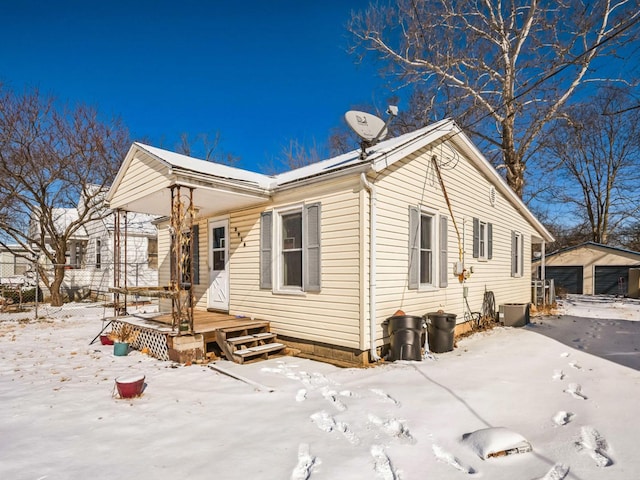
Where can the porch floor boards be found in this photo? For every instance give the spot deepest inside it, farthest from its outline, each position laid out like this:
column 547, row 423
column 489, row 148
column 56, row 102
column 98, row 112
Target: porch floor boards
column 203, row 321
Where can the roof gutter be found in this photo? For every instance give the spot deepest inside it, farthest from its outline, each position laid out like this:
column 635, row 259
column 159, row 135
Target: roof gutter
column 372, row 264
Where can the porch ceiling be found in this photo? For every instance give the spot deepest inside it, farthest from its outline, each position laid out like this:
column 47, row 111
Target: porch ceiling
column 208, row 201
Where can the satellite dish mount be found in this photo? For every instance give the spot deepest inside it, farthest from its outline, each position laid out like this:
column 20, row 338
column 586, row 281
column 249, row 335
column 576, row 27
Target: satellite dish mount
column 369, row 128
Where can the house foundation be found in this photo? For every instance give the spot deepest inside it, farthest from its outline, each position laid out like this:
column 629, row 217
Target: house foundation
column 336, row 355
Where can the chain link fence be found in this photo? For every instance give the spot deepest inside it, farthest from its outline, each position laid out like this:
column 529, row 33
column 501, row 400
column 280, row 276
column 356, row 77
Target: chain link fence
column 23, row 291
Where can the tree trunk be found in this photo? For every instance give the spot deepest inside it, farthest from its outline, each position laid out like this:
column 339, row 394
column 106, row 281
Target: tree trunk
column 56, row 294
column 514, row 164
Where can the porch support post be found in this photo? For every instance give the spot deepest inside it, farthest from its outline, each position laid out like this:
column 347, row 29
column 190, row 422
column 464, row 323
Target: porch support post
column 174, row 256
column 116, row 261
column 191, row 266
column 543, row 274
column 182, row 258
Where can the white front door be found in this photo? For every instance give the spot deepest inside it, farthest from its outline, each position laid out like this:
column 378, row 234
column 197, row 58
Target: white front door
column 219, row 265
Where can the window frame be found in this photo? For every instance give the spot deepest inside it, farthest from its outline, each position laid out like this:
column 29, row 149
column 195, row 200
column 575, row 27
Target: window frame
column 98, row 253
column 438, row 262
column 517, row 254
column 483, row 230
column 280, row 249
column 432, row 250
column 482, row 240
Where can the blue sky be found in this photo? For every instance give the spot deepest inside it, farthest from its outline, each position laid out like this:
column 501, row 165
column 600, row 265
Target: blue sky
column 259, row 72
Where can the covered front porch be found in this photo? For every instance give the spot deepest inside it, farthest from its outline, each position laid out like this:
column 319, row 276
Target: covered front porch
column 184, row 193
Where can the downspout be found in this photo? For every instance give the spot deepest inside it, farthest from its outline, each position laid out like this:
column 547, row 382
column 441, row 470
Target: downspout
column 372, row 264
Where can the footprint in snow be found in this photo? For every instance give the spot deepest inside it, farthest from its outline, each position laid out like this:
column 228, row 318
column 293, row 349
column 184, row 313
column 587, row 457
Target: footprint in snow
column 324, row 421
column 301, row 396
column 382, row 465
column 575, row 390
column 557, row 472
column 450, row 459
column 327, row 423
column 351, row 437
column 575, row 365
column 392, row 427
column 348, row 393
column 331, row 397
column 564, row 354
column 558, row 375
column 595, row 445
column 385, row 397
column 305, row 465
column 562, row 417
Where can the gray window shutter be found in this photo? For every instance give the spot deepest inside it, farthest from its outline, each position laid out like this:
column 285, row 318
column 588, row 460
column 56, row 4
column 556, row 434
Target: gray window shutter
column 414, row 252
column 489, row 241
column 444, row 261
column 311, row 255
column 195, row 245
column 266, row 239
column 514, row 247
column 522, row 256
column 476, row 238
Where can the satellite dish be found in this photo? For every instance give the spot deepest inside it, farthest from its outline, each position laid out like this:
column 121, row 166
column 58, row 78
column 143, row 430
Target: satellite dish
column 368, row 127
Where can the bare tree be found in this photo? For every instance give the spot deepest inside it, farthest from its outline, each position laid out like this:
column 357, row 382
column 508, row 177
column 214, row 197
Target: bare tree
column 504, row 69
column 209, row 146
column 50, row 159
column 595, row 158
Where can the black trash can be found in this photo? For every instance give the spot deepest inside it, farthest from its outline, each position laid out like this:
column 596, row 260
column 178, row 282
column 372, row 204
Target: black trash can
column 440, row 327
column 405, row 332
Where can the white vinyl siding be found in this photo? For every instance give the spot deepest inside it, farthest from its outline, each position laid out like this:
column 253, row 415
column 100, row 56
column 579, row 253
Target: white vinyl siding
column 142, row 174
column 413, row 182
column 330, row 314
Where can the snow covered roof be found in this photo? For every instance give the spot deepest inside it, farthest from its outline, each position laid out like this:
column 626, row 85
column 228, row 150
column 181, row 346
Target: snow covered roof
column 247, row 186
column 594, row 245
column 63, row 217
column 137, row 223
column 178, row 160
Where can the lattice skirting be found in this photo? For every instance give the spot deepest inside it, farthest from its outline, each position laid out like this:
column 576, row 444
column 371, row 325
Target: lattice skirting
column 153, row 340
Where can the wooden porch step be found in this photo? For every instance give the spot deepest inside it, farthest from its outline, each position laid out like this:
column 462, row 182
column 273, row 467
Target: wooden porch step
column 246, row 329
column 247, row 342
column 250, row 338
column 256, row 353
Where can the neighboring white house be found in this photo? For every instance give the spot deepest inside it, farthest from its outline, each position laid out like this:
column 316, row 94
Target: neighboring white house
column 89, row 269
column 326, row 253
column 12, row 262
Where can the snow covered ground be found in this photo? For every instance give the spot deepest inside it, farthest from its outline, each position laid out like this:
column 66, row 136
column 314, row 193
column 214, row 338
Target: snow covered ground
column 569, row 384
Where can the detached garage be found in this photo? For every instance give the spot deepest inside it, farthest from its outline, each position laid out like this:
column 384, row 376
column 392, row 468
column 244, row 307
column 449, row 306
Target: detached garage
column 590, row 268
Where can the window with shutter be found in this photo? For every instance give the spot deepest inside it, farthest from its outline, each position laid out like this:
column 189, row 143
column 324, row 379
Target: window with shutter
column 296, row 251
column 482, row 240
column 427, row 249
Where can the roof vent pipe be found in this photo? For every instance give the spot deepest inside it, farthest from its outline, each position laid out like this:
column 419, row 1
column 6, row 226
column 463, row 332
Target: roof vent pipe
column 372, row 264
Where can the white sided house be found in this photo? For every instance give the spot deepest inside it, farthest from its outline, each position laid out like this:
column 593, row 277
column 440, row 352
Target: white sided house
column 90, row 259
column 326, row 253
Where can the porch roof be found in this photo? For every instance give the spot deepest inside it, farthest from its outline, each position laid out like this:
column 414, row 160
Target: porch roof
column 143, row 183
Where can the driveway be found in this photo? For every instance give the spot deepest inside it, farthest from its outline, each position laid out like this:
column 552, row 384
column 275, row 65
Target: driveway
column 605, row 326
